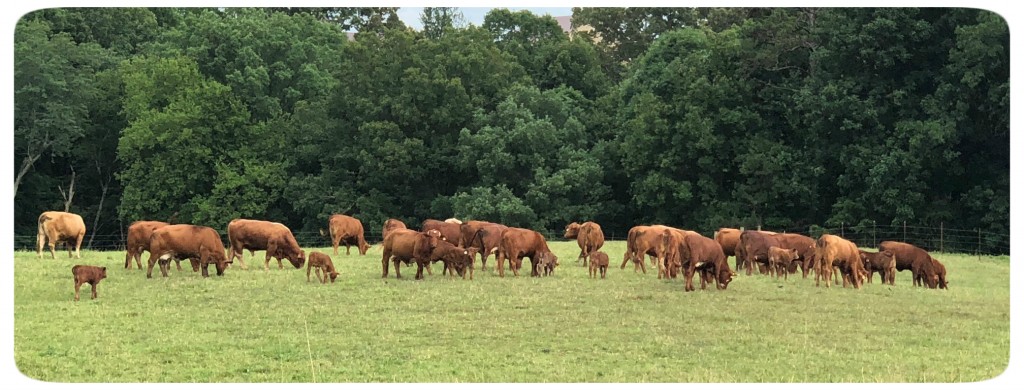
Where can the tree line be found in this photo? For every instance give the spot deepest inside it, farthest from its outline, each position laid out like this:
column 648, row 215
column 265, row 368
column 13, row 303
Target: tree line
column 692, row 117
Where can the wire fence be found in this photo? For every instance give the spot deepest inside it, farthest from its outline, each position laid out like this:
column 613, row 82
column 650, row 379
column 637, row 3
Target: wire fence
column 941, row 238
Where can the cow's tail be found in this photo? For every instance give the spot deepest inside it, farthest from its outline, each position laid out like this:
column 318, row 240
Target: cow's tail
column 478, row 234
column 41, row 233
column 585, row 240
column 630, row 246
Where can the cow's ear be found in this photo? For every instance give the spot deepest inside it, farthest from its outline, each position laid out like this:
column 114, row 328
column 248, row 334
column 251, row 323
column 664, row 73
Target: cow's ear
column 104, row 268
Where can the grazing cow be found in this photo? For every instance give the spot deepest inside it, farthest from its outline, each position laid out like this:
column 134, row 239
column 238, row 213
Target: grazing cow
column 598, row 262
column 697, row 252
column 181, row 241
column 780, row 259
column 346, row 230
column 60, row 227
column 804, row 247
column 323, row 265
column 644, row 240
column 450, row 232
column 588, row 236
column 915, row 259
column 390, row 225
column 138, row 241
column 546, row 264
column 406, row 245
column 835, row 251
column 728, row 238
column 91, row 274
column 883, row 262
column 670, row 259
column 755, row 245
column 456, row 259
column 483, row 235
column 275, row 238
column 519, row 243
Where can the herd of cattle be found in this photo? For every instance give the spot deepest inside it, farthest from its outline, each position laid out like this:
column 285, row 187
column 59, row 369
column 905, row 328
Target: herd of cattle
column 456, row 245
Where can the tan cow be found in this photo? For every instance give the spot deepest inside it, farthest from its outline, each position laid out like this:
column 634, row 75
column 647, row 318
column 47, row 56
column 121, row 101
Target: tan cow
column 275, row 238
column 588, row 236
column 835, row 251
column 644, row 240
column 60, row 227
column 408, row 246
column 347, row 230
column 780, row 259
column 138, row 241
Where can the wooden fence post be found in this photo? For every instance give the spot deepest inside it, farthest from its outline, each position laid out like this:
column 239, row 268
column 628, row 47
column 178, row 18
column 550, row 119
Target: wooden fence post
column 940, row 238
column 904, row 231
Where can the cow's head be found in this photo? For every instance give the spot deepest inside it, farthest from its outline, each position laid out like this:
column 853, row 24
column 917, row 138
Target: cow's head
column 298, row 259
column 103, row 272
column 334, row 274
column 434, row 236
column 363, row 247
column 725, row 276
column 572, row 230
column 220, row 261
column 548, row 261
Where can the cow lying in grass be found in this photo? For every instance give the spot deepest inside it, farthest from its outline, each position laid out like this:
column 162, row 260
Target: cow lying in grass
column 91, row 274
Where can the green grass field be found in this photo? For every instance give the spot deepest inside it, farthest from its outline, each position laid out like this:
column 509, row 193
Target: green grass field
column 257, row 326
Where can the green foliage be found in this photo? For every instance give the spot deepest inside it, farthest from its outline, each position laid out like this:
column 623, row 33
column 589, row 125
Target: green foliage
column 694, row 117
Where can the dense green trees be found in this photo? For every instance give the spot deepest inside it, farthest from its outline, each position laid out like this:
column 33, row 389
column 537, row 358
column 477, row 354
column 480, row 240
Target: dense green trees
column 698, row 118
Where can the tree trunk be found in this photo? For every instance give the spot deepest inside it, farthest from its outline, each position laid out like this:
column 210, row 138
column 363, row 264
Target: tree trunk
column 99, row 211
column 70, row 195
column 25, row 166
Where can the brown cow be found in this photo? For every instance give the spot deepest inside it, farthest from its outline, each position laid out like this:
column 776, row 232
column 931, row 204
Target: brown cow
column 181, row 241
column 645, row 240
column 915, row 259
column 696, row 252
column 322, row 263
column 588, row 236
column 755, row 245
column 450, row 232
column 390, row 225
column 406, row 245
column 598, row 262
column 346, row 230
column 275, row 238
column 670, row 259
column 728, row 238
column 60, row 227
column 546, row 264
column 883, row 262
column 138, row 241
column 780, row 259
column 483, row 235
column 836, row 251
column 519, row 243
column 91, row 274
column 804, row 247
column 456, row 259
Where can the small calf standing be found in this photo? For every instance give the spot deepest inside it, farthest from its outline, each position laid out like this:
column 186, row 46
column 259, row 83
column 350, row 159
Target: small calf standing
column 779, row 260
column 91, row 274
column 598, row 262
column 321, row 262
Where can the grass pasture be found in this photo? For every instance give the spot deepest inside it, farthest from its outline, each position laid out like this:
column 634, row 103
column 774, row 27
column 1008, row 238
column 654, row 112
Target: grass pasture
column 257, row 326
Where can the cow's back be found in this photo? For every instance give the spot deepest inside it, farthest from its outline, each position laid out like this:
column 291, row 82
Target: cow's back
column 62, row 224
column 450, row 231
column 345, row 225
column 728, row 238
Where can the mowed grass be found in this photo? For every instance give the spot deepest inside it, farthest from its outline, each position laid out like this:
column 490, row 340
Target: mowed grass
column 258, row 326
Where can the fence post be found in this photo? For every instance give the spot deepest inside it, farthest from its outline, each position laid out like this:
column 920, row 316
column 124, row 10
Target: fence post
column 874, row 233
column 842, row 229
column 904, row 231
column 940, row 238
column 979, row 244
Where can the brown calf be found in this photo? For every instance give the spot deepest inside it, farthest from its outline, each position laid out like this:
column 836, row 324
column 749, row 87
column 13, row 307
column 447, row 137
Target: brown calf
column 91, row 274
column 598, row 262
column 322, row 263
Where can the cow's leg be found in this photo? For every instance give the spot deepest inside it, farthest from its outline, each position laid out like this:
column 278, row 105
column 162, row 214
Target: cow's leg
column 383, row 263
column 40, row 242
column 71, row 247
column 152, row 261
column 604, row 269
column 128, row 259
column 53, row 245
column 78, row 245
column 348, row 248
column 334, row 243
column 78, row 284
column 513, row 264
column 689, row 276
column 428, row 269
column 398, row 274
column 419, row 270
column 320, row 276
column 177, row 262
column 501, row 264
column 93, row 285
column 309, row 268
